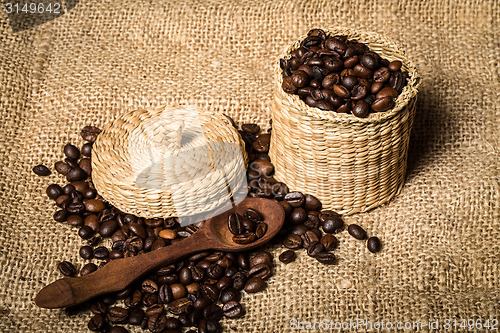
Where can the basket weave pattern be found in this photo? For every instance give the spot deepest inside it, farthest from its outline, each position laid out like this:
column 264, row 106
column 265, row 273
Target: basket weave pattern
column 351, row 164
column 193, row 176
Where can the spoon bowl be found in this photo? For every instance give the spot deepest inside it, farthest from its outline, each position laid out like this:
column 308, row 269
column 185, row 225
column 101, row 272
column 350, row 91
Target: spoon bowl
column 118, row 274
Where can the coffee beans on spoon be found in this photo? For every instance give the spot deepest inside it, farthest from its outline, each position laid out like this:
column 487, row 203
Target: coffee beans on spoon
column 334, row 73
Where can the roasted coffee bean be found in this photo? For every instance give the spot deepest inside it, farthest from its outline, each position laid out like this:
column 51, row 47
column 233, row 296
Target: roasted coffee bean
column 41, row 170
column 298, row 229
column 315, row 249
column 261, row 145
column 156, row 309
column 108, row 228
column 230, row 294
column 88, row 268
column 350, row 62
column 326, row 258
column 359, row 92
column 76, row 174
column 261, row 230
column 295, row 199
column 210, row 292
column 54, row 191
column 369, row 60
column 332, row 224
column 369, row 99
column 386, row 92
column 341, row 91
column 336, row 44
column 180, row 306
column 330, row 80
column 264, row 168
column 86, row 252
column 157, row 323
column 85, row 232
column 117, row 329
column 68, row 189
column 138, row 230
column 373, row 244
column 298, row 216
column 361, row 109
column 344, row 108
column 251, row 128
column 362, row 72
column 108, row 299
column 76, row 208
column 215, row 271
column 99, row 308
column 254, row 285
column 178, row 290
column 87, row 149
column 136, row 315
column 312, row 203
column 90, row 133
column 62, row 167
column 71, row 162
column 124, row 293
column 231, row 271
column 168, row 234
column 60, row 215
column 97, row 323
column 261, row 257
column 300, row 78
column 248, row 225
column 94, row 206
column 243, row 262
column 383, row 104
column 309, row 238
column 117, row 314
column 224, row 283
column 85, row 165
column 92, row 221
column 395, row 65
column 197, row 273
column 67, row 268
column 287, row 257
column 115, row 254
column 165, row 295
column 381, row 75
column 89, row 193
column 356, row 231
column 330, row 242
column 253, row 215
column 312, row 221
column 71, row 151
column 245, row 238
column 173, row 323
column 261, row 270
column 349, row 81
column 213, row 312
column 185, row 276
column 239, row 280
column 149, row 286
column 397, row 81
column 233, row 309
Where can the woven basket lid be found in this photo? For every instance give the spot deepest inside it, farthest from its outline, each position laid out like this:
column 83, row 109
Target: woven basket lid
column 170, row 162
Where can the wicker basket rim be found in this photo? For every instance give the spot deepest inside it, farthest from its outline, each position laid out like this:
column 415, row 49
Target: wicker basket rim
column 409, row 91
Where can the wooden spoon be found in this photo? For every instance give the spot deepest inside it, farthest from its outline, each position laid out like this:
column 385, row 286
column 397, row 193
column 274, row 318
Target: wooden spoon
column 118, row 274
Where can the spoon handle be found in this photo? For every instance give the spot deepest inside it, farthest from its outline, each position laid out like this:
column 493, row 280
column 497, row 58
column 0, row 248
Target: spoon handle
column 117, row 274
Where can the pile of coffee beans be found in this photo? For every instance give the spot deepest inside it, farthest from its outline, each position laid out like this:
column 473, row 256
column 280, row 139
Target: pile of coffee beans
column 333, row 73
column 197, row 292
column 247, row 228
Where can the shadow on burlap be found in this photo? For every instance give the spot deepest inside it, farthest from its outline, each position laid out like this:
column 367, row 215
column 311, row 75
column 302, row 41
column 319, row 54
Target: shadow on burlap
column 441, row 252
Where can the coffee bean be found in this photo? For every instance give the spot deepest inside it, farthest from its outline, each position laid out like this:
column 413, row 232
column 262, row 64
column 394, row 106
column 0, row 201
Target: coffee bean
column 369, row 60
column 107, row 228
column 248, row 225
column 251, row 128
column 397, row 81
column 300, row 78
column 233, row 309
column 362, row 71
column 96, row 323
column 336, row 44
column 86, row 252
column 62, row 167
column 361, row 109
column 386, row 91
column 263, row 168
column 173, row 323
column 298, row 216
column 332, row 224
column 326, row 258
column 262, row 270
column 41, row 170
column 213, row 312
column 53, row 191
column 381, row 75
column 157, row 323
column 298, row 229
column 67, row 268
column 92, row 221
column 315, row 249
column 288, row 85
column 60, row 215
column 165, row 295
column 383, row 104
column 136, row 315
column 99, row 308
column 312, row 203
column 295, row 199
column 71, row 151
column 85, row 232
column 254, row 285
column 287, row 257
column 115, row 254
column 330, row 242
column 88, row 268
column 76, row 174
column 117, row 314
column 215, row 271
column 210, row 292
column 261, row 257
column 90, row 133
column 359, row 92
column 156, row 309
column 312, row 221
column 86, row 149
column 230, row 294
column 76, row 208
column 253, row 215
column 239, row 280
column 245, row 238
column 341, row 91
column 261, row 230
column 94, row 206
column 394, row 65
column 373, row 244
column 180, row 306
column 85, row 165
column 101, row 252
column 356, row 231
column 117, row 329
column 309, row 238
column 349, row 81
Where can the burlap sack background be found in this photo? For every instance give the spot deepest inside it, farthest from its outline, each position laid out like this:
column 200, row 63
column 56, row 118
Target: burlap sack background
column 441, row 256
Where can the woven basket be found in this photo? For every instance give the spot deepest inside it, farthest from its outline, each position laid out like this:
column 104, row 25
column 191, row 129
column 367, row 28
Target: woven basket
column 351, row 164
column 163, row 162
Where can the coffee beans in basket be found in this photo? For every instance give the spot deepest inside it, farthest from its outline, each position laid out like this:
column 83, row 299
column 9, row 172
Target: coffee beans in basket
column 333, row 73
column 199, row 291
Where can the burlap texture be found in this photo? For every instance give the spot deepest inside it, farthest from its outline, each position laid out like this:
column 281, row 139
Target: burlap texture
column 441, row 252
